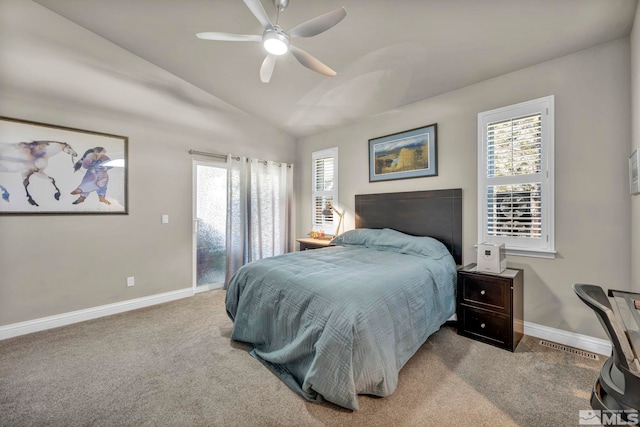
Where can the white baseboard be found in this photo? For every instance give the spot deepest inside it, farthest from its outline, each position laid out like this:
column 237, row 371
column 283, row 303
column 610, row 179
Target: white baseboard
column 22, row 328
column 571, row 339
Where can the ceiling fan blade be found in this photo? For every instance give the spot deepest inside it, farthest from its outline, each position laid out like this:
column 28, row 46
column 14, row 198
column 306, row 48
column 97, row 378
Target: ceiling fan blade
column 310, row 62
column 228, row 37
column 258, row 11
column 266, row 70
column 317, row 25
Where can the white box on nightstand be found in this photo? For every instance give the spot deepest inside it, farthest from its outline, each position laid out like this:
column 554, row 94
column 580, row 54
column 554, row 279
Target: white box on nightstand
column 491, row 258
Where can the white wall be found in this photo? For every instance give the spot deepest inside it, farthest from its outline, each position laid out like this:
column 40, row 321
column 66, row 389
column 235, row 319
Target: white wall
column 54, row 71
column 635, row 145
column 593, row 209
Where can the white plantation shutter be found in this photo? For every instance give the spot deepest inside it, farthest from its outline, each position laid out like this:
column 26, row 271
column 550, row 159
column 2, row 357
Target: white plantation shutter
column 514, row 146
column 325, row 188
column 514, row 210
column 515, row 177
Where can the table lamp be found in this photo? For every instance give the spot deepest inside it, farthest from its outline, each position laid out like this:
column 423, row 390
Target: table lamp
column 327, row 212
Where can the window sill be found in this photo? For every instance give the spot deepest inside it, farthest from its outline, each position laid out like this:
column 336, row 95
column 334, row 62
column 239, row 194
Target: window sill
column 531, row 253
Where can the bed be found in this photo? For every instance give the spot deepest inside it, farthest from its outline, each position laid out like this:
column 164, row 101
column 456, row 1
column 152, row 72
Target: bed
column 341, row 321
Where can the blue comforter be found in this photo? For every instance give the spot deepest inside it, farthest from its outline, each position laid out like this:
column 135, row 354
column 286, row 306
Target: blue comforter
column 341, row 321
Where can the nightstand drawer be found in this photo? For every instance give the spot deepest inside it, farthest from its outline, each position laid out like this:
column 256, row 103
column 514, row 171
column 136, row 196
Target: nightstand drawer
column 485, row 326
column 486, row 291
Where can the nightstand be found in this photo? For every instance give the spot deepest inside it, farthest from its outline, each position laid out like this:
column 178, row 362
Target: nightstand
column 308, row 243
column 490, row 306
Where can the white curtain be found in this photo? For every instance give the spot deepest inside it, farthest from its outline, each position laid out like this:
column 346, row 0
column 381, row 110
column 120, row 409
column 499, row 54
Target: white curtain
column 259, row 211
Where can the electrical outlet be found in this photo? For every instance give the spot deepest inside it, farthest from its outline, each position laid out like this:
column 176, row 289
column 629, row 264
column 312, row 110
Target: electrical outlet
column 130, row 281
column 165, row 219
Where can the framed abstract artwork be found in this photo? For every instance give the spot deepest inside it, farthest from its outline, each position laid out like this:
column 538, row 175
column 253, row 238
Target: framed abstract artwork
column 47, row 169
column 408, row 154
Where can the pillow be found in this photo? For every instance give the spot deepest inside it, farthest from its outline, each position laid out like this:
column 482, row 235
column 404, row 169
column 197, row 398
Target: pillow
column 387, row 239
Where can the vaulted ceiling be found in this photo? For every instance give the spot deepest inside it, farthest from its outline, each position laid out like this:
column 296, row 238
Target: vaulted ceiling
column 387, row 53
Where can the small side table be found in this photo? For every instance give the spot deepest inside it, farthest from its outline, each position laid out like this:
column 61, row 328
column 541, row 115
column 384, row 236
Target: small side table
column 490, row 306
column 308, row 243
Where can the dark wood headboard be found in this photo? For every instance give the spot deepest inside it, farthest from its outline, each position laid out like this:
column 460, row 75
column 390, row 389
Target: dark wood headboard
column 434, row 213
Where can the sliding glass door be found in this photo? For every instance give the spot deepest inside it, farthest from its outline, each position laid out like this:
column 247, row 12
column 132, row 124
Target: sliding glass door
column 210, row 225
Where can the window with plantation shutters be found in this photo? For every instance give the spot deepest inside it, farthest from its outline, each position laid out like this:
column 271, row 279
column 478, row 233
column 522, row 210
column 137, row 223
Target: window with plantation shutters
column 325, row 189
column 515, row 177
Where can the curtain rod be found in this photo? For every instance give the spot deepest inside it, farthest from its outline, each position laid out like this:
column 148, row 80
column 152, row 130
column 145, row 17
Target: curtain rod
column 224, row 157
column 214, row 155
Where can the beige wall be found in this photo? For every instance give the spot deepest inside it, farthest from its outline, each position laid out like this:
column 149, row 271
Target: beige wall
column 593, row 212
column 635, row 145
column 54, row 71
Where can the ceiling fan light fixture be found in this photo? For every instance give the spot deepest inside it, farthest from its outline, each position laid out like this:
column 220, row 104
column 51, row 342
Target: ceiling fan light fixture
column 275, row 41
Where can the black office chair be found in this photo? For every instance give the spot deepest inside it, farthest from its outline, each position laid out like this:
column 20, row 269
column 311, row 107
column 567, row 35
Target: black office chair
column 618, row 386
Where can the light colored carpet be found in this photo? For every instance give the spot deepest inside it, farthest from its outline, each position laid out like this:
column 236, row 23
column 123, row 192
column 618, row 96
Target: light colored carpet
column 175, row 365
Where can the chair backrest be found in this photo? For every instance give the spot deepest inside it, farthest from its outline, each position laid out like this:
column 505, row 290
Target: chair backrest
column 595, row 297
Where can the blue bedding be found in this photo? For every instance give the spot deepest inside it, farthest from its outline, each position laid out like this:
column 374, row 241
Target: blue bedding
column 336, row 322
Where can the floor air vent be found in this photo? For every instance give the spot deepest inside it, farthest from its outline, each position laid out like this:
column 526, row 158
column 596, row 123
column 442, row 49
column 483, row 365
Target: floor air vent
column 571, row 350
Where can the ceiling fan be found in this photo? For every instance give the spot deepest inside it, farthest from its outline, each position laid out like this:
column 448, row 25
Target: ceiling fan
column 276, row 41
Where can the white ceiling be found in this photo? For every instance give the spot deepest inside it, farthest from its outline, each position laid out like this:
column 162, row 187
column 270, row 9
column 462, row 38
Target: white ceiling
column 387, row 53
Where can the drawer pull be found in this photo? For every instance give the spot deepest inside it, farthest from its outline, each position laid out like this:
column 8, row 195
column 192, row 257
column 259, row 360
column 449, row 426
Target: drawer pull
column 482, row 325
column 482, row 292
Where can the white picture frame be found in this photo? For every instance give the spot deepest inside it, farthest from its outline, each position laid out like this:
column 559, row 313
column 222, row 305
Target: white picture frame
column 634, row 185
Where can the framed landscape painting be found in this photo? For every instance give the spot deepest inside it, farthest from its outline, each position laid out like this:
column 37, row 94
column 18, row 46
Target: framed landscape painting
column 408, row 154
column 49, row 169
